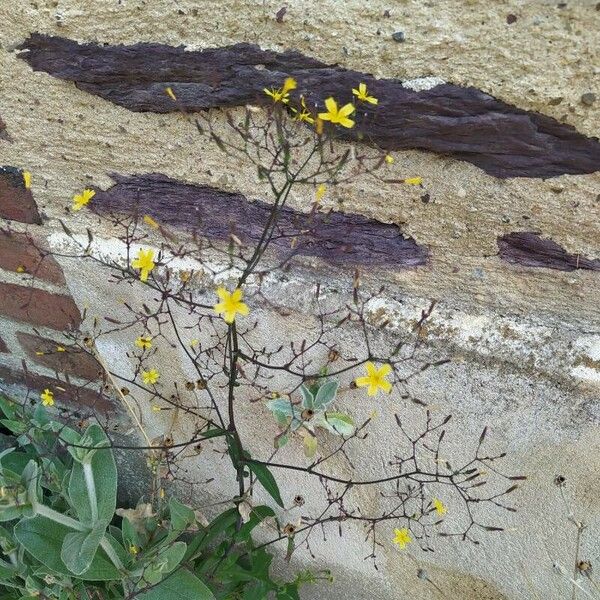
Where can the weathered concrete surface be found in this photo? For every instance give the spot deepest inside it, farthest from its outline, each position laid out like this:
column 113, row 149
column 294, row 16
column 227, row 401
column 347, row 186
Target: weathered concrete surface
column 524, row 341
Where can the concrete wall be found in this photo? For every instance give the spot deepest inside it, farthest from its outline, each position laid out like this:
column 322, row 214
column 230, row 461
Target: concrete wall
column 523, row 340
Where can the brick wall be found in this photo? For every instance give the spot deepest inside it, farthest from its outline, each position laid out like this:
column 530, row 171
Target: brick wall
column 39, row 320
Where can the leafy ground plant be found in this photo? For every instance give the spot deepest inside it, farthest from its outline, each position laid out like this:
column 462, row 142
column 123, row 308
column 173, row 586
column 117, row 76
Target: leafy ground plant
column 63, row 536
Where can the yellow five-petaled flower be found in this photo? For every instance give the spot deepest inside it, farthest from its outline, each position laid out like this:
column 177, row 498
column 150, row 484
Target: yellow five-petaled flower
column 282, row 94
column 231, row 304
column 375, row 379
column 83, row 199
column 144, row 342
column 337, row 115
column 150, row 377
column 402, row 537
column 439, row 506
column 362, row 94
column 144, row 263
column 47, row 397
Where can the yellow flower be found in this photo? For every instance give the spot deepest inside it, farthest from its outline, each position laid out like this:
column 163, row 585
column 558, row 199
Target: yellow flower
column 27, row 179
column 150, row 221
column 133, row 549
column 20, row 269
column 389, row 159
column 144, row 342
column 170, row 93
column 319, row 126
column 83, row 199
column 402, row 537
column 150, row 377
column 282, row 94
column 304, row 114
column 439, row 506
column 320, row 192
column 231, row 304
column 337, row 115
column 60, row 349
column 375, row 379
column 362, row 94
column 144, row 263
column 47, row 397
column 194, row 343
column 414, row 181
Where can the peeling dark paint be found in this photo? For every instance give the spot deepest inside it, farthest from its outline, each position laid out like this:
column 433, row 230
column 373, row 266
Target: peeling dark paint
column 16, row 201
column 338, row 238
column 531, row 250
column 462, row 122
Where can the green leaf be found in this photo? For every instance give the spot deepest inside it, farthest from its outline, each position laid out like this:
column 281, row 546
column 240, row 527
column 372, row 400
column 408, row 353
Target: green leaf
column 43, row 539
column 181, row 585
column 104, row 472
column 267, row 481
column 226, row 520
column 79, row 548
column 288, row 592
column 282, row 407
column 308, row 400
column 163, row 563
column 257, row 515
column 326, row 394
column 310, row 445
column 8, row 407
column 336, row 423
column 182, row 516
column 17, row 427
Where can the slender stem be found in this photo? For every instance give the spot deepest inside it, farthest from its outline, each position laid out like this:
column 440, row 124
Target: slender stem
column 91, row 489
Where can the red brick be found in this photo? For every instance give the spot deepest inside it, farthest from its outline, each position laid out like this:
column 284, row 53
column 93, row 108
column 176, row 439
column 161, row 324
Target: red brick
column 16, row 202
column 38, row 307
column 17, row 250
column 3, row 347
column 73, row 361
column 65, row 394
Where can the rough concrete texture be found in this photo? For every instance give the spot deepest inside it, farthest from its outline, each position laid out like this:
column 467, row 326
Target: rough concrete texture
column 524, row 342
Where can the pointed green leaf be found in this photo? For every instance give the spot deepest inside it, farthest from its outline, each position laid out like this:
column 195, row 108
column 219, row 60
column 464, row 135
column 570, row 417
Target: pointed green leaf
column 181, row 585
column 79, row 548
column 326, row 394
column 267, row 481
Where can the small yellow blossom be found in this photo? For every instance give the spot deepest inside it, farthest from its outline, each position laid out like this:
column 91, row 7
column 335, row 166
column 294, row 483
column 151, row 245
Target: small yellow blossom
column 156, row 408
column 150, row 221
column 440, row 507
column 320, row 192
column 27, row 179
column 161, row 492
column 39, row 353
column 21, row 269
column 133, row 549
column 362, row 94
column 414, row 181
column 83, row 199
column 194, row 343
column 169, row 91
column 389, row 159
column 144, row 262
column 304, row 114
column 47, row 397
column 319, row 126
column 144, row 342
column 60, row 349
column 402, row 537
column 231, row 304
column 338, row 115
column 150, row 377
column 375, row 379
column 282, row 94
